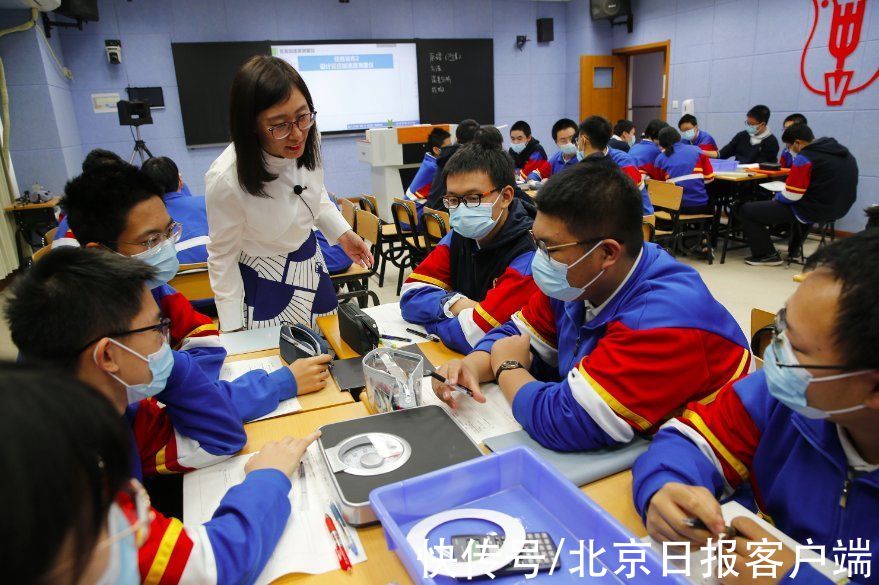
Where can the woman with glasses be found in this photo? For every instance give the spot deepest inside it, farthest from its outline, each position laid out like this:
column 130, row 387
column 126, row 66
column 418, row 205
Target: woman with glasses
column 265, row 194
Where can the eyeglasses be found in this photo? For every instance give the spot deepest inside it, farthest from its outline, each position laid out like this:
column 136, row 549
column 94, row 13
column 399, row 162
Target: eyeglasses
column 283, row 130
column 172, row 232
column 453, row 200
column 541, row 245
column 163, row 327
column 777, row 345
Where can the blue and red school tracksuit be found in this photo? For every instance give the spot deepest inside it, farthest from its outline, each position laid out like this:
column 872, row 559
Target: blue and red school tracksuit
column 195, row 427
column 687, row 167
column 660, row 342
column 531, row 161
column 786, row 158
column 628, row 166
column 191, row 213
column 644, row 153
column 794, row 466
column 497, row 276
column 703, row 140
column 419, row 189
column 557, row 164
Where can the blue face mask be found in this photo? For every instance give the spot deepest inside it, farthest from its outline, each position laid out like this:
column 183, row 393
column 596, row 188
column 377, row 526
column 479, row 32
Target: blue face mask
column 473, row 222
column 552, row 276
column 789, row 385
column 518, row 147
column 689, row 134
column 752, row 130
column 161, row 362
column 164, row 259
column 569, row 149
column 122, row 566
column 631, row 140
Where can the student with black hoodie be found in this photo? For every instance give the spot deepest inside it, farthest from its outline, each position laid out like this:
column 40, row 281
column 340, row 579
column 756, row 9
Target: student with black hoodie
column 480, row 273
column 464, row 133
column 822, row 186
column 528, row 155
column 754, row 144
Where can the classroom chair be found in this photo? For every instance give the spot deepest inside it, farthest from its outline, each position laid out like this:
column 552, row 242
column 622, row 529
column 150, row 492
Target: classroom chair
column 405, row 218
column 762, row 328
column 193, row 281
column 666, row 199
column 346, row 206
column 392, row 246
column 798, row 235
column 356, row 278
column 434, row 226
column 49, row 236
column 40, row 253
column 648, row 228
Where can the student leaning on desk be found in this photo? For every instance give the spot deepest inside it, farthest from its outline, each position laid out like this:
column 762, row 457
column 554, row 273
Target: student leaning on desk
column 620, row 336
column 797, row 439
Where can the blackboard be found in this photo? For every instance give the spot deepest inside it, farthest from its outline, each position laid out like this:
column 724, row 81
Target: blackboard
column 455, row 80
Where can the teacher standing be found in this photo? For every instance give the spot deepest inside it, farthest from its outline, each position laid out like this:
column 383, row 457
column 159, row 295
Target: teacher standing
column 265, row 195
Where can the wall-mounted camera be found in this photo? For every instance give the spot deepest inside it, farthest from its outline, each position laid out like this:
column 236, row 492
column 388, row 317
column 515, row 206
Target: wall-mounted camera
column 114, row 51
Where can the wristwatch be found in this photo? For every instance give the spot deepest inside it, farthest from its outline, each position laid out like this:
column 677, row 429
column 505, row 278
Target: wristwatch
column 507, row 365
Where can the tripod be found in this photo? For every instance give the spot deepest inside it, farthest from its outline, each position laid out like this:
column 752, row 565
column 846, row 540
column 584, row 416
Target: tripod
column 140, row 148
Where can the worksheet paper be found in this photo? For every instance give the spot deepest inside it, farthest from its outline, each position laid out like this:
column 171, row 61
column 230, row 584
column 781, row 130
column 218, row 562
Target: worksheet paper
column 305, row 545
column 479, row 421
column 232, row 370
column 774, row 186
column 390, row 322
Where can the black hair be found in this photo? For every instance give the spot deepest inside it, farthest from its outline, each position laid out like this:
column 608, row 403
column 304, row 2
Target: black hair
column 854, row 261
column 259, row 84
column 98, row 201
column 796, row 119
column 163, row 171
column 651, row 132
column 797, row 132
column 623, row 126
column 595, row 201
column 522, row 126
column 71, row 296
column 436, row 138
column 668, row 137
column 98, row 157
column 66, row 452
column 688, row 119
column 466, row 130
column 484, row 154
column 563, row 124
column 597, row 130
column 759, row 113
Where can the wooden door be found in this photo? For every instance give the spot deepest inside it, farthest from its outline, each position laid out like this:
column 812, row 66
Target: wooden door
column 603, row 86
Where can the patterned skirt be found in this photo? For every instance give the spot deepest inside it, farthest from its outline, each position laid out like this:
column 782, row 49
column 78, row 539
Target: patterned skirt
column 291, row 288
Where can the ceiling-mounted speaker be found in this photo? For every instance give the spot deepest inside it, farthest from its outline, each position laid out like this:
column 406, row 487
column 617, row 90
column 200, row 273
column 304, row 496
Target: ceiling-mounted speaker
column 609, row 9
column 544, row 30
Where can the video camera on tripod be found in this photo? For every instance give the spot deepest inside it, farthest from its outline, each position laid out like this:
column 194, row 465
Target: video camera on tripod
column 136, row 113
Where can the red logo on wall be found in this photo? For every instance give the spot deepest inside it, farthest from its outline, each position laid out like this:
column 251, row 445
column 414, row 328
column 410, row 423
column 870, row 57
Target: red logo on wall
column 846, row 18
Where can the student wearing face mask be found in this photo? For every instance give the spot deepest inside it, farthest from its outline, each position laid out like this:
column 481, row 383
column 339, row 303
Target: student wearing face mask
column 620, row 335
column 265, row 193
column 623, row 135
column 480, row 272
column 754, row 144
column 692, row 134
column 564, row 133
column 645, row 151
column 419, row 189
column 786, row 158
column 527, row 152
column 797, row 438
column 118, row 208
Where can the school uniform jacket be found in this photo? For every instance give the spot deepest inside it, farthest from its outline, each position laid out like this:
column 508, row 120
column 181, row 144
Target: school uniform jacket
column 628, row 166
column 557, row 164
column 644, row 154
column 531, row 160
column 497, row 275
column 191, row 213
column 795, row 467
column 660, row 341
column 419, row 189
column 786, row 158
column 703, row 140
column 687, row 167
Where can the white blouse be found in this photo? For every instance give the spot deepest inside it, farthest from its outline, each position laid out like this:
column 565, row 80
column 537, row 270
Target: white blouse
column 260, row 226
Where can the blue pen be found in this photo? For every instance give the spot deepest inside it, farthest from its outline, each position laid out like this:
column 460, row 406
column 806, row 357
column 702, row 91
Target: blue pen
column 338, row 515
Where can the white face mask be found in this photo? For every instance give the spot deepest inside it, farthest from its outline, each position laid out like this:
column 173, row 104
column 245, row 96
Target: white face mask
column 122, row 568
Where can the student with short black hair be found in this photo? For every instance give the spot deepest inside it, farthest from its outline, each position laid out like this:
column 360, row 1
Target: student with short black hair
column 692, row 134
column 645, row 151
column 754, row 144
column 464, row 133
column 480, row 272
column 796, row 440
column 786, row 158
column 420, row 187
column 564, row 133
column 99, row 156
column 528, row 154
column 620, row 335
column 687, row 166
column 822, row 186
column 623, row 135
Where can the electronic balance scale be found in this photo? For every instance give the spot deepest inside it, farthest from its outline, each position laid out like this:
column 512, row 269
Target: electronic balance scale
column 366, row 453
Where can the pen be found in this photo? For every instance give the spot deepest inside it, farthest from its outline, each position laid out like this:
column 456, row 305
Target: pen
column 457, row 387
column 426, row 336
column 344, row 562
column 337, row 514
column 395, row 338
column 729, row 532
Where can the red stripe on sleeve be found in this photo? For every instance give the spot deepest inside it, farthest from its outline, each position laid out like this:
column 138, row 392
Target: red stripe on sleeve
column 435, row 269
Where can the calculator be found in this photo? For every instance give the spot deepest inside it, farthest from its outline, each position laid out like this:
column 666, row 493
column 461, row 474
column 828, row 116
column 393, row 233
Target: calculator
column 471, row 547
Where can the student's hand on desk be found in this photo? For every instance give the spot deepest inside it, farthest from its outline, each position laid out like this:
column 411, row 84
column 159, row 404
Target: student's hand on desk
column 311, row 373
column 750, row 531
column 515, row 347
column 673, row 504
column 456, row 372
column 356, row 249
column 283, row 455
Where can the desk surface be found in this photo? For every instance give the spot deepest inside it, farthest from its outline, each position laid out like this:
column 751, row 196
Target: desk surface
column 31, row 206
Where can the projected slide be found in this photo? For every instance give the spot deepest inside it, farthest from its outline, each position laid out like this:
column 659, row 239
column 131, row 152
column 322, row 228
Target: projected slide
column 358, row 86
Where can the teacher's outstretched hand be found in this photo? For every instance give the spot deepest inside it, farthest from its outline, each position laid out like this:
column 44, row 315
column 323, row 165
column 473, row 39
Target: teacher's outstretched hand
column 356, row 249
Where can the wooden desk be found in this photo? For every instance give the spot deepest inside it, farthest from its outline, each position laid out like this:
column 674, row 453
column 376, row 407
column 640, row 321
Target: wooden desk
column 330, row 396
column 51, row 203
column 382, row 565
column 614, row 494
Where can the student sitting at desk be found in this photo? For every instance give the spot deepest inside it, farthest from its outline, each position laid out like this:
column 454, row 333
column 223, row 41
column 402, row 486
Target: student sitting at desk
column 564, row 132
column 645, row 151
column 754, row 144
column 688, row 167
column 786, row 158
column 527, row 152
column 480, row 272
column 620, row 335
column 419, row 189
column 623, row 135
column 71, row 449
column 797, row 439
column 692, row 134
column 464, row 133
column 117, row 207
column 821, row 187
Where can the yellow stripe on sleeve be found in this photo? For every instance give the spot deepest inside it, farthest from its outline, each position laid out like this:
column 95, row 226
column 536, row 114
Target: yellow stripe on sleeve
column 716, row 444
column 484, row 314
column 164, row 552
column 429, row 280
column 618, row 407
column 533, row 331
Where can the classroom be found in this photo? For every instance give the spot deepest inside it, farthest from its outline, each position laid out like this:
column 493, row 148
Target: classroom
column 439, row 291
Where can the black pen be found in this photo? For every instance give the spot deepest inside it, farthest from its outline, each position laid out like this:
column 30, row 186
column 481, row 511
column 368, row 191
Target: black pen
column 728, row 532
column 395, row 338
column 426, row 336
column 457, row 387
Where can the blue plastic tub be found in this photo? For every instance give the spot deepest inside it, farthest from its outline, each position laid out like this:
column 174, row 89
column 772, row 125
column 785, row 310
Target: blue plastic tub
column 518, row 483
column 724, row 165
